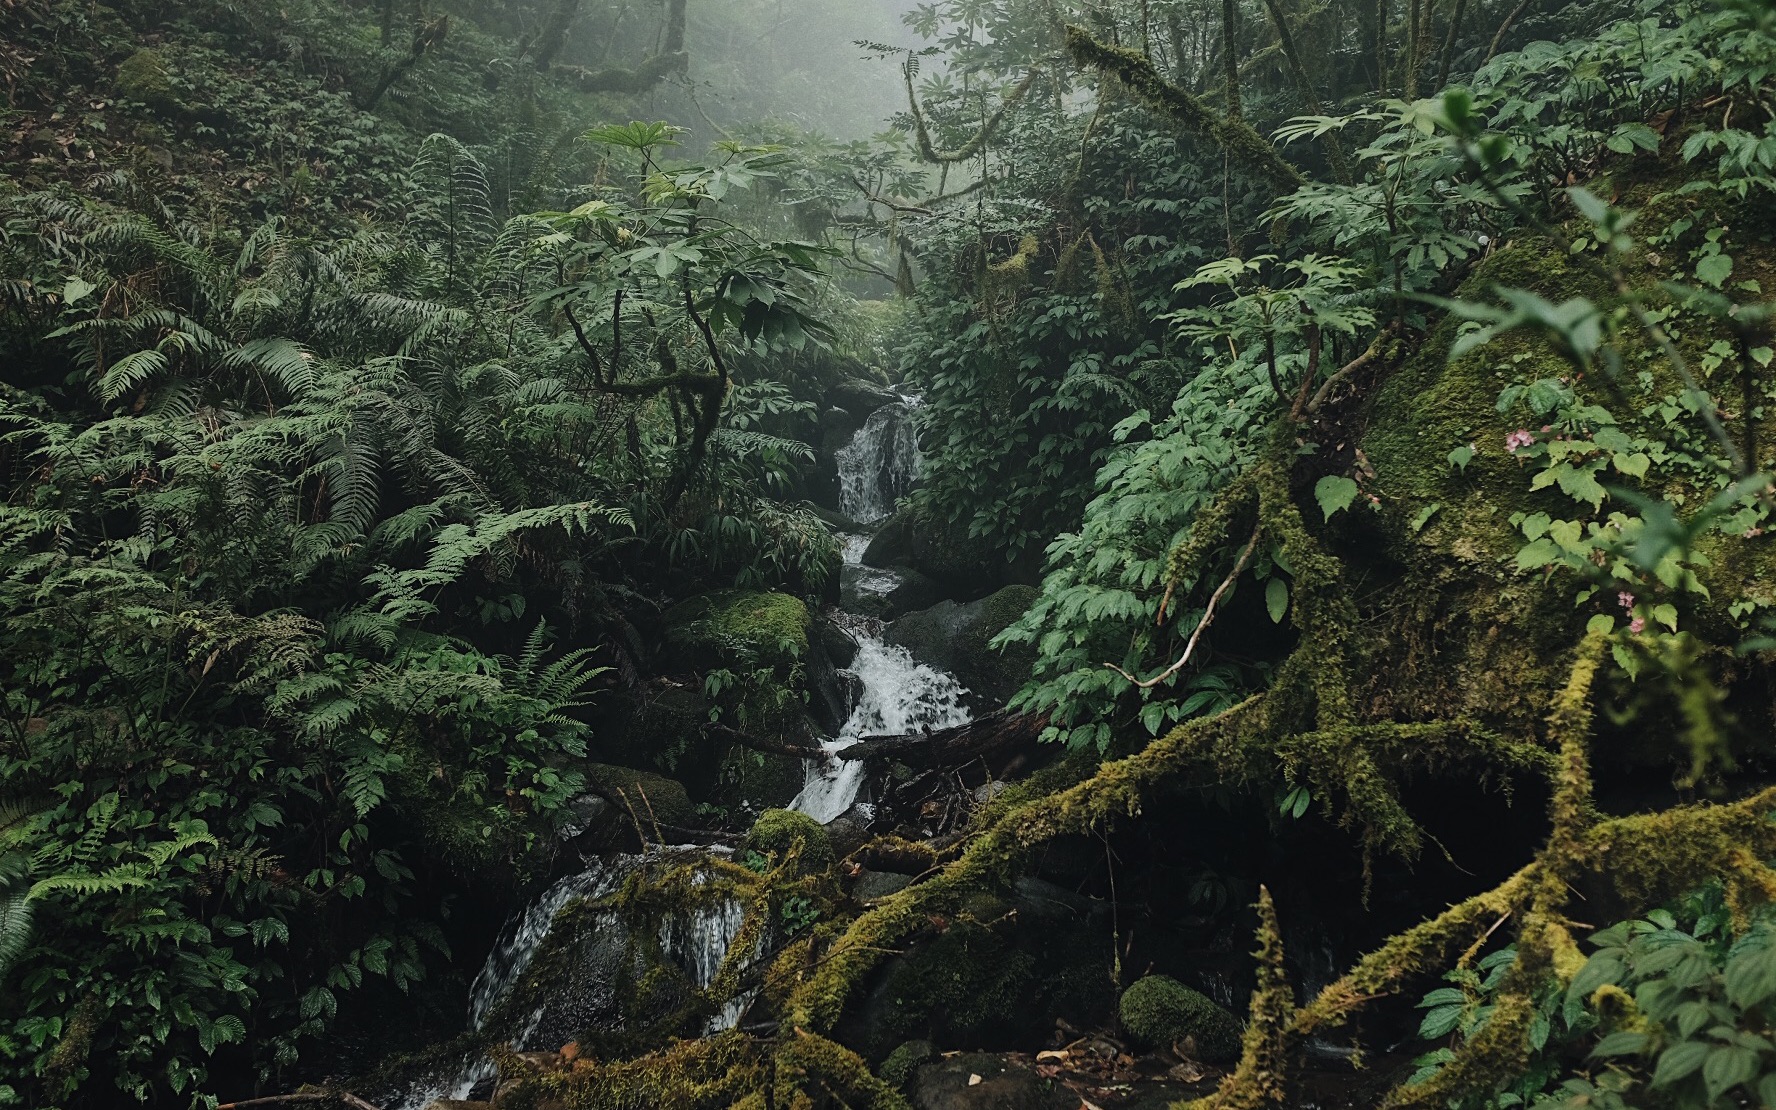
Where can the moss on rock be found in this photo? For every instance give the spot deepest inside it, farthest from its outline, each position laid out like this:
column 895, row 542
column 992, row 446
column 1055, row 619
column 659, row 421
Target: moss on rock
column 741, row 629
column 652, row 799
column 147, row 77
column 779, row 833
column 900, row 1065
column 1160, row 1011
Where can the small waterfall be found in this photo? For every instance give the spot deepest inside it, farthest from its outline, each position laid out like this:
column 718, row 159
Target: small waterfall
column 900, row 695
column 506, row 964
column 879, row 464
column 700, row 942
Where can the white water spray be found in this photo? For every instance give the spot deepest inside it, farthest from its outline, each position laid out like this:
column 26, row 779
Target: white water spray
column 879, row 464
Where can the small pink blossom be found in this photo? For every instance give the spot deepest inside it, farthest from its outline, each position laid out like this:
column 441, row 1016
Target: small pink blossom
column 1637, row 625
column 1520, row 438
column 1625, row 599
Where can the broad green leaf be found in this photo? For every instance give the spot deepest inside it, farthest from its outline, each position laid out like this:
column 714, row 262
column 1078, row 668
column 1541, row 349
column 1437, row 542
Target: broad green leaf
column 1276, row 599
column 1714, row 270
column 1679, row 1062
column 1335, row 493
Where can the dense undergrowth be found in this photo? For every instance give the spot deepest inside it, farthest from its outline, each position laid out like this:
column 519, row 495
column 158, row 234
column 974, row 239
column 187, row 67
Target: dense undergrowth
column 378, row 415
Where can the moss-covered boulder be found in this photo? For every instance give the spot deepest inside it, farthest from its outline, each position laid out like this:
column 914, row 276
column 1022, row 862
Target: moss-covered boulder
column 780, row 833
column 147, row 76
column 1161, row 1012
column 900, row 1065
column 740, row 629
column 1463, row 488
column 956, row 637
column 966, row 985
column 651, row 799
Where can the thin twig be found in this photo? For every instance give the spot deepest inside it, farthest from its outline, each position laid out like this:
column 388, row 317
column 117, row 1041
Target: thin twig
column 301, row 1096
column 1344, row 372
column 1202, row 625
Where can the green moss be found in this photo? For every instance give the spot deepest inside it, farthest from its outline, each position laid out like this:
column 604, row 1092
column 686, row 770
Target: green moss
column 900, row 1065
column 146, row 76
column 782, row 833
column 1160, row 1011
column 1261, row 1079
column 957, row 985
column 740, row 629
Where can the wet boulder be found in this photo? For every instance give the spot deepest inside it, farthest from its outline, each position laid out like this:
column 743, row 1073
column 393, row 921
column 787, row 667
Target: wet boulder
column 892, row 545
column 860, row 397
column 886, row 593
column 631, row 796
column 956, row 637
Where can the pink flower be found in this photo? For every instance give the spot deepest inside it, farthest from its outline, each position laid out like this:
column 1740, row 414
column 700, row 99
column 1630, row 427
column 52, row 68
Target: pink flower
column 1522, row 437
column 1637, row 625
column 1625, row 599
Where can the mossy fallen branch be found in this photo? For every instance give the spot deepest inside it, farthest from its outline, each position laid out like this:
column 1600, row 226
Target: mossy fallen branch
column 1237, row 137
column 976, row 143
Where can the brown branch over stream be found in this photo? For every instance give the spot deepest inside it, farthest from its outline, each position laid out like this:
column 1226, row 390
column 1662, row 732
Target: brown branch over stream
column 952, row 747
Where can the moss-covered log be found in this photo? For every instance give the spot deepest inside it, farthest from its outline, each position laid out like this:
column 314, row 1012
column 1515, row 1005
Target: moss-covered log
column 1238, row 138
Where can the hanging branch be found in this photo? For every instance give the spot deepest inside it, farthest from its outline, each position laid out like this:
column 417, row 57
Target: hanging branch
column 973, row 146
column 1239, row 139
column 671, row 59
column 424, row 38
column 1309, row 99
column 1208, row 616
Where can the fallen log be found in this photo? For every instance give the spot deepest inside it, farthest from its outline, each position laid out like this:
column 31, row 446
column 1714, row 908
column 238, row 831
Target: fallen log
column 954, row 746
column 771, row 744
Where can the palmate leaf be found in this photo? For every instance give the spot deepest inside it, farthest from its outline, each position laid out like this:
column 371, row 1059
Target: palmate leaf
column 635, row 135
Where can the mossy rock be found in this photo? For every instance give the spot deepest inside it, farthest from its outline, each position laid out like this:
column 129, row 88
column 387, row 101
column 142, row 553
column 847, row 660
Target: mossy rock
column 146, row 76
column 967, row 985
column 652, row 798
column 739, row 629
column 1160, row 1012
column 970, row 566
column 1477, row 638
column 777, row 832
column 900, row 1065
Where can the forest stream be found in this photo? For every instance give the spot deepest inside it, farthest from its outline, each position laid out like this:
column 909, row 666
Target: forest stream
column 887, row 554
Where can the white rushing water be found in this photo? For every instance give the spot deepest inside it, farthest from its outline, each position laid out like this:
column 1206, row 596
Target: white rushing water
column 879, row 464
column 898, row 695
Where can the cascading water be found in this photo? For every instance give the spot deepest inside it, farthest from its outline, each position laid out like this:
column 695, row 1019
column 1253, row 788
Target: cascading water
column 898, row 695
column 879, row 464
